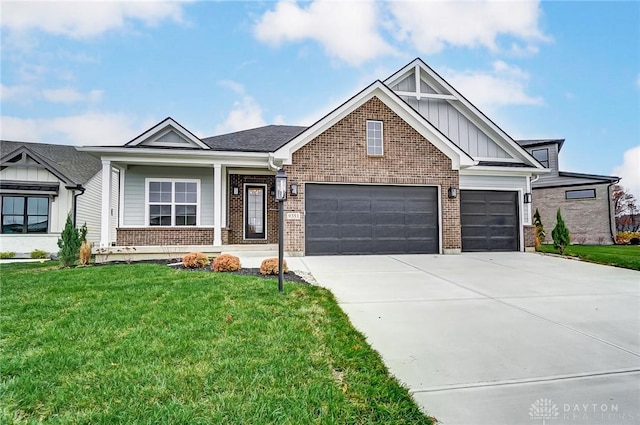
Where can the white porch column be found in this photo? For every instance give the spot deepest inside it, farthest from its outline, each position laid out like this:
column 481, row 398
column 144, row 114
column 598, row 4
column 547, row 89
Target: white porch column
column 105, row 218
column 217, row 205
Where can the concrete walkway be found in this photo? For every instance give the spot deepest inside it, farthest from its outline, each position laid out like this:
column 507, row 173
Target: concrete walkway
column 508, row 338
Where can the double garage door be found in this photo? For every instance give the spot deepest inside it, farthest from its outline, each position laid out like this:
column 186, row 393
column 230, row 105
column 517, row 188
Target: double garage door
column 347, row 219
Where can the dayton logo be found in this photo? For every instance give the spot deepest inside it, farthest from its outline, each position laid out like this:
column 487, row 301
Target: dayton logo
column 543, row 409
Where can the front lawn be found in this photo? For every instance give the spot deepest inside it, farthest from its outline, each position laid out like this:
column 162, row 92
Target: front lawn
column 144, row 343
column 627, row 256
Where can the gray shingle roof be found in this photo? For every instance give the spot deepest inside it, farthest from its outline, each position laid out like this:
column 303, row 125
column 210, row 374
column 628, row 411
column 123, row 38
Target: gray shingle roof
column 79, row 167
column 261, row 139
column 536, row 142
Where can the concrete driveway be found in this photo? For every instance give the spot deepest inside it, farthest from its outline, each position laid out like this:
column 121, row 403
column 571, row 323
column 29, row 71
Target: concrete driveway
column 507, row 338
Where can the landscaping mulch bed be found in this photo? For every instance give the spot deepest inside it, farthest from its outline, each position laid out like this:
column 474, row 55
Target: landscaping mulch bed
column 288, row 277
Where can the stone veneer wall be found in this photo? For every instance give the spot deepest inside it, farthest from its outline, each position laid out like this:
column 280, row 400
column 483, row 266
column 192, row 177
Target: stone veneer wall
column 235, row 221
column 339, row 155
column 158, row 236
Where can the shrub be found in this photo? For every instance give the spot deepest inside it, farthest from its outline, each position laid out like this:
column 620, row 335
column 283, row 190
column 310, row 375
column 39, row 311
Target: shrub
column 270, row 266
column 540, row 233
column 85, row 253
column 624, row 238
column 195, row 260
column 634, row 241
column 560, row 234
column 226, row 263
column 6, row 255
column 38, row 254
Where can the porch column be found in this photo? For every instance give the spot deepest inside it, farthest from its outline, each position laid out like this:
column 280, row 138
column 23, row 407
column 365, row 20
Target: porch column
column 217, row 205
column 106, row 203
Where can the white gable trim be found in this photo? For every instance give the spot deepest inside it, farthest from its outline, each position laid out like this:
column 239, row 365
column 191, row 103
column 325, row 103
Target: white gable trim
column 164, row 127
column 466, row 108
column 458, row 157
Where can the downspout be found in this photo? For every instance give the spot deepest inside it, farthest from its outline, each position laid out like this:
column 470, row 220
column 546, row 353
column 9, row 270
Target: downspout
column 612, row 225
column 81, row 190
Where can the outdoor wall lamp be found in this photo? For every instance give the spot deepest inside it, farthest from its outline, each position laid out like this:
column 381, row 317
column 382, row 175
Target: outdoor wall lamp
column 527, row 198
column 272, row 191
column 281, row 186
column 294, row 189
column 452, row 192
column 235, row 189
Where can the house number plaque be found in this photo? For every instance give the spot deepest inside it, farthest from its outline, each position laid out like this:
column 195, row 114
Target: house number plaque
column 293, row 216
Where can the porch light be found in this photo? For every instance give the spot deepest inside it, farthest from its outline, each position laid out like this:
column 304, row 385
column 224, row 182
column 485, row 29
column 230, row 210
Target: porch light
column 281, row 186
column 236, row 190
column 527, row 198
column 294, row 189
column 452, row 192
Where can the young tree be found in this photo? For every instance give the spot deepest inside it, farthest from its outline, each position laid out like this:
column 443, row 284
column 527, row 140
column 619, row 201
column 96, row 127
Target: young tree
column 560, row 234
column 69, row 243
column 625, row 207
column 540, row 233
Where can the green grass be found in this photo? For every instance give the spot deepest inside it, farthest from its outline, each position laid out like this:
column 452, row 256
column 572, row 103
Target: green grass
column 145, row 344
column 627, row 256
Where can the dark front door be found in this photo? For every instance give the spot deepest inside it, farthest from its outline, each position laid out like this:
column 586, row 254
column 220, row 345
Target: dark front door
column 370, row 219
column 254, row 212
column 490, row 220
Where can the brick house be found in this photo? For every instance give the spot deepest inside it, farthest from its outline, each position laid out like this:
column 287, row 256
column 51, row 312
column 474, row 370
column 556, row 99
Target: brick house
column 584, row 200
column 407, row 165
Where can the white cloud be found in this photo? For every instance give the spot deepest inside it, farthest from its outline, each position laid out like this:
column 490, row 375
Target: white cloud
column 629, row 171
column 347, row 30
column 489, row 90
column 20, row 93
column 433, row 25
column 85, row 19
column 83, row 129
column 70, row 95
column 246, row 113
column 234, row 86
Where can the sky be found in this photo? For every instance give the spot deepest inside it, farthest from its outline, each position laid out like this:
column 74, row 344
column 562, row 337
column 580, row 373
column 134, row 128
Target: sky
column 101, row 73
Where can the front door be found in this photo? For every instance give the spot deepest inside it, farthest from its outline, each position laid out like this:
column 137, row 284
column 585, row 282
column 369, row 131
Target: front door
column 254, row 212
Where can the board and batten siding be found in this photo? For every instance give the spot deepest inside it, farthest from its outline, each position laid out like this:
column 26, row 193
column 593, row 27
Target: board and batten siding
column 515, row 183
column 134, row 191
column 450, row 122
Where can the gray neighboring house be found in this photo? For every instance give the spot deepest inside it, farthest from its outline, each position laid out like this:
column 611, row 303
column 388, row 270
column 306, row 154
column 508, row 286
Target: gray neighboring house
column 584, row 200
column 39, row 185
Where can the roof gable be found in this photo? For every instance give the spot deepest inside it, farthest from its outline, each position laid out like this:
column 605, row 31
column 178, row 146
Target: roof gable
column 397, row 105
column 442, row 105
column 168, row 133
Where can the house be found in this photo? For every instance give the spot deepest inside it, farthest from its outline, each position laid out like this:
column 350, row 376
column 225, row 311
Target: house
column 40, row 184
column 407, row 165
column 584, row 200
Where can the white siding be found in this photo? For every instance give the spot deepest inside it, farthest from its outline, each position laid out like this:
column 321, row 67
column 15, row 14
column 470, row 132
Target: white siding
column 88, row 209
column 484, row 182
column 134, row 191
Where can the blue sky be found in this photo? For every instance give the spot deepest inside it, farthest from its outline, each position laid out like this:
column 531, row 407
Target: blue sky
column 99, row 73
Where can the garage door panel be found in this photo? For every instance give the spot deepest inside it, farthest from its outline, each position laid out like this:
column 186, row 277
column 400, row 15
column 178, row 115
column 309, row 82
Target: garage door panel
column 371, row 219
column 490, row 220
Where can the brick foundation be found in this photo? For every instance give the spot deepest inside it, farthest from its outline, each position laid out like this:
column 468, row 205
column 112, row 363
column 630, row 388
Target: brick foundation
column 150, row 236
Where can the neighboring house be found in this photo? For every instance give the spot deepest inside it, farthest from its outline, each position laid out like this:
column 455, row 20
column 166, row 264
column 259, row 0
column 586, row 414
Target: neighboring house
column 40, row 184
column 407, row 165
column 584, row 200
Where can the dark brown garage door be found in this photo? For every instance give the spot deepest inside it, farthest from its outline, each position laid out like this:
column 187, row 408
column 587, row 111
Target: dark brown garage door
column 489, row 220
column 361, row 219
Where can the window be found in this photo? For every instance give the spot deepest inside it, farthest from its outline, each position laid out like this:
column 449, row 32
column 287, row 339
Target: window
column 25, row 214
column 580, row 194
column 374, row 138
column 542, row 155
column 173, row 203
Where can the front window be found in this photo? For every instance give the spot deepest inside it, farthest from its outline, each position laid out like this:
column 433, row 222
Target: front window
column 374, row 138
column 173, row 202
column 25, row 214
column 542, row 155
column 580, row 194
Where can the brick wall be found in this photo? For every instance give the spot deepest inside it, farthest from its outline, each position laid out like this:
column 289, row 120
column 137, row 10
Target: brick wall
column 587, row 219
column 152, row 236
column 235, row 221
column 529, row 237
column 340, row 155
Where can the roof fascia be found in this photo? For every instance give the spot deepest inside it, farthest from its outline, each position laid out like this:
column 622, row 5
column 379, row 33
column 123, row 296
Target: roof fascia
column 176, row 126
column 504, row 171
column 50, row 168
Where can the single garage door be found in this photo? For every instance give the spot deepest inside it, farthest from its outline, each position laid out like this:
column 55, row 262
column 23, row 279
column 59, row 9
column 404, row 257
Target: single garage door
column 368, row 219
column 489, row 220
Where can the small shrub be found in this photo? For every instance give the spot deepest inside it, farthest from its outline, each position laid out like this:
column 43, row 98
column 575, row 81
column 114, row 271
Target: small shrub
column 6, row 255
column 624, row 238
column 634, row 241
column 195, row 260
column 38, row 254
column 540, row 233
column 225, row 263
column 85, row 253
column 560, row 234
column 270, row 266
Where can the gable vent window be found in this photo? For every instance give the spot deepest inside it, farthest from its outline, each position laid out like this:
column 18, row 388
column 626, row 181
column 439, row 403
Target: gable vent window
column 542, row 155
column 374, row 138
column 580, row 194
column 173, row 202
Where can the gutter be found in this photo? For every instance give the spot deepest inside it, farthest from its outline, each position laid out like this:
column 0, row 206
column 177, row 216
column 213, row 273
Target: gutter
column 271, row 165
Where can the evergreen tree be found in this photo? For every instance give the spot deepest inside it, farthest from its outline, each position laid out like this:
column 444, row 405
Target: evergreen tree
column 540, row 233
column 560, row 234
column 69, row 244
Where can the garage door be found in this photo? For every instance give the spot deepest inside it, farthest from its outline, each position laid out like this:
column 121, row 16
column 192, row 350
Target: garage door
column 361, row 219
column 489, row 220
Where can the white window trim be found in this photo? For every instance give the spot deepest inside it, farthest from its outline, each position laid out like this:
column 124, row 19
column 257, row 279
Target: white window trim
column 173, row 202
column 381, row 137
column 244, row 211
